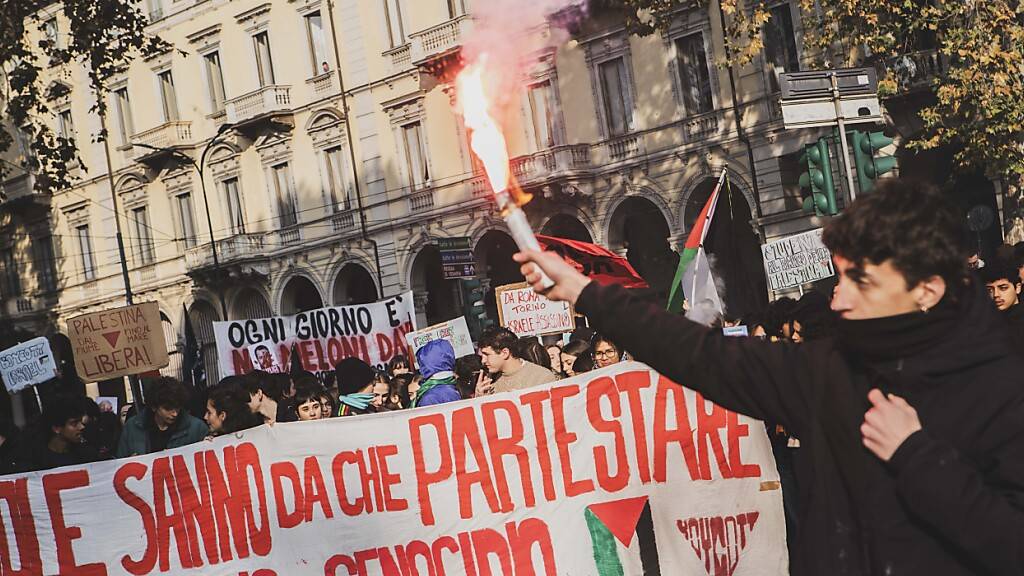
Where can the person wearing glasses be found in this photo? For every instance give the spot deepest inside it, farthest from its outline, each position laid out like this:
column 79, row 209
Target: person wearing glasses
column 604, row 351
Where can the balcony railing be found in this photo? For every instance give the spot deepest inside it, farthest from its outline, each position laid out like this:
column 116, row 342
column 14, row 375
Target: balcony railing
column 265, row 101
column 19, row 187
column 323, row 85
column 400, row 58
column 434, row 42
column 343, row 221
column 288, row 237
column 421, row 201
column 698, row 128
column 622, row 147
column 233, row 248
column 166, row 135
column 557, row 161
column 914, row 70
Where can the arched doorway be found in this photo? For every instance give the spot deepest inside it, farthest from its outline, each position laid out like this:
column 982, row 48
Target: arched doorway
column 250, row 303
column 300, row 295
column 436, row 299
column 732, row 247
column 203, row 315
column 495, row 264
column 639, row 228
column 566, row 226
column 354, row 285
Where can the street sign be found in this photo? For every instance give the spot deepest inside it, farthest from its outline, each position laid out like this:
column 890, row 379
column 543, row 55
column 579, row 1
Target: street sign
column 457, row 259
column 456, row 271
column 809, row 98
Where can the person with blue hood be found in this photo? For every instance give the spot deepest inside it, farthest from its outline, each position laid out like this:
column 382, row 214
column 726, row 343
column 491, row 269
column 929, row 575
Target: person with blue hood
column 436, row 361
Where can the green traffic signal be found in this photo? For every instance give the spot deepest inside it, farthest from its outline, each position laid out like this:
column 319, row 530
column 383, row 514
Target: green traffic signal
column 870, row 167
column 817, row 180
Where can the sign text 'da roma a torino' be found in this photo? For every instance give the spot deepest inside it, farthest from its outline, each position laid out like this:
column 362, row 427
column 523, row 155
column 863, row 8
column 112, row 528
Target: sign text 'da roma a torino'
column 118, row 342
column 614, row 472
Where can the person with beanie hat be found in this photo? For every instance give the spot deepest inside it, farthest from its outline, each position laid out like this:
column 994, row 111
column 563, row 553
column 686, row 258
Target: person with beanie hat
column 436, row 361
column 355, row 387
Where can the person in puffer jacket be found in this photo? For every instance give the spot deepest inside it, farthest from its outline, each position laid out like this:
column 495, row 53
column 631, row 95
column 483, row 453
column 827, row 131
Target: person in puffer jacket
column 436, row 362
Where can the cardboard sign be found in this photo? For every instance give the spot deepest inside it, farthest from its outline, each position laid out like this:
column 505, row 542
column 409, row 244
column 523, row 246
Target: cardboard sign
column 373, row 332
column 614, row 468
column 118, row 342
column 455, row 331
column 27, row 364
column 796, row 260
column 523, row 311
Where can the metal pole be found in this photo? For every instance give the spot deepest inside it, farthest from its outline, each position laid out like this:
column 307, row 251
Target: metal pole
column 133, row 381
column 842, row 135
column 209, row 221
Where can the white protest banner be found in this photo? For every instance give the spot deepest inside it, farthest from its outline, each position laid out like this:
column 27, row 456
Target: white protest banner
column 617, row 471
column 455, row 331
column 796, row 260
column 118, row 342
column 526, row 313
column 373, row 332
column 27, row 364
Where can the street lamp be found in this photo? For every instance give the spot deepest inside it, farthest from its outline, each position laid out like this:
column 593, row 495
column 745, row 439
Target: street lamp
column 206, row 202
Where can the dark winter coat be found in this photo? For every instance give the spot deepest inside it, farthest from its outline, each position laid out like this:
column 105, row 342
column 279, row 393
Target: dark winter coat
column 135, row 436
column 950, row 500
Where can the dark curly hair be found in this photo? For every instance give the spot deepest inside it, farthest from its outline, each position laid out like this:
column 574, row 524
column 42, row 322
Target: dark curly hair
column 908, row 223
column 498, row 338
column 1000, row 270
column 166, row 392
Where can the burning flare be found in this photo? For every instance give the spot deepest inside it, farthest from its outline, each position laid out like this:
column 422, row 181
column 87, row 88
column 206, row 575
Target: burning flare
column 486, row 139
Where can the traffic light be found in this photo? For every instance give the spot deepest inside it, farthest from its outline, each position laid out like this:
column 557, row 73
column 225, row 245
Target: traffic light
column 870, row 167
column 474, row 307
column 817, row 180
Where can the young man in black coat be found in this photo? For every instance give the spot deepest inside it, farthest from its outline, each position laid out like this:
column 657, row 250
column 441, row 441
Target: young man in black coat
column 912, row 416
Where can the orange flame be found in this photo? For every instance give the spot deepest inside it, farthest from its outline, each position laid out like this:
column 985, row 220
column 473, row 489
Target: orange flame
column 486, row 139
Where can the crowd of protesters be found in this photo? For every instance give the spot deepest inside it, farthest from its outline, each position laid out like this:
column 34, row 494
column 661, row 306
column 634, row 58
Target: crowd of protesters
column 73, row 429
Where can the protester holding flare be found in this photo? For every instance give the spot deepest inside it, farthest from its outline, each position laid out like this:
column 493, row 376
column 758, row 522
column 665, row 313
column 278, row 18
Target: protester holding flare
column 911, row 418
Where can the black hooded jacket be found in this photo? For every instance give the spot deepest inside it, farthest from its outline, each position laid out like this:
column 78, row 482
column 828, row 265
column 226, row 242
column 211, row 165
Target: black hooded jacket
column 949, row 502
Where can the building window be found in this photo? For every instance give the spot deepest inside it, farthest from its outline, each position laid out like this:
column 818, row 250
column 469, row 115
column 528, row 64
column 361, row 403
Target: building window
column 315, row 38
column 52, row 33
column 233, row 199
column 11, row 281
column 617, row 105
column 780, row 51
column 415, row 157
column 264, row 64
column 285, row 197
column 123, row 110
column 88, row 259
column 540, row 98
column 694, row 74
column 45, row 263
column 337, row 179
column 143, row 241
column 167, row 96
column 65, row 125
column 393, row 15
column 186, row 220
column 214, row 80
column 456, row 8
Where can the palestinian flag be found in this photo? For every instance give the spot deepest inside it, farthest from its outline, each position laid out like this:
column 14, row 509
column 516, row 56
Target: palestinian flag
column 693, row 273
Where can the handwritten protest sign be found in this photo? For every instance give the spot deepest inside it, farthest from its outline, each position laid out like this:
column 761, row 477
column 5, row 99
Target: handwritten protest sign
column 27, row 364
column 617, row 467
column 523, row 311
column 796, row 260
column 118, row 342
column 373, row 332
column 455, row 331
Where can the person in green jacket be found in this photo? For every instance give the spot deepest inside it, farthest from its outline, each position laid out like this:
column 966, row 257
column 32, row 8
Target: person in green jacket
column 163, row 423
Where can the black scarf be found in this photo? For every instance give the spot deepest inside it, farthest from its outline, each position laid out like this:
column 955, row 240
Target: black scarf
column 898, row 337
